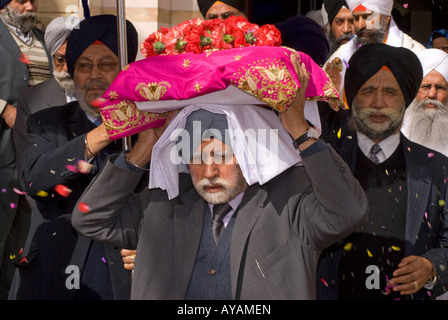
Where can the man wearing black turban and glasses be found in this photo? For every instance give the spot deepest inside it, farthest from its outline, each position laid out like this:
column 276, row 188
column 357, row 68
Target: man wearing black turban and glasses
column 212, row 9
column 67, row 146
column 407, row 232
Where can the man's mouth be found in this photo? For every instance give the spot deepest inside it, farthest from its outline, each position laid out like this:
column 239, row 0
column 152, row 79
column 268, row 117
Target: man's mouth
column 214, row 188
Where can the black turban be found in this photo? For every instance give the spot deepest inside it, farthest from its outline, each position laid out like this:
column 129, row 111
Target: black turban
column 205, row 5
column 332, row 7
column 104, row 29
column 370, row 58
column 4, row 3
column 306, row 35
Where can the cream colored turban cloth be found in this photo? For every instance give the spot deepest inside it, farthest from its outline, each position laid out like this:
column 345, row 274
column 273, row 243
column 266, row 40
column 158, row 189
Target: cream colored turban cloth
column 434, row 59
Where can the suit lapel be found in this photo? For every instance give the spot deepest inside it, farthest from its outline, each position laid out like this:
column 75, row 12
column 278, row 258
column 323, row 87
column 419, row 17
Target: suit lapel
column 188, row 221
column 249, row 211
column 419, row 186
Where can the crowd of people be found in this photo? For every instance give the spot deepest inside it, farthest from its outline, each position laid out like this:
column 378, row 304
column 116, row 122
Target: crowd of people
column 343, row 191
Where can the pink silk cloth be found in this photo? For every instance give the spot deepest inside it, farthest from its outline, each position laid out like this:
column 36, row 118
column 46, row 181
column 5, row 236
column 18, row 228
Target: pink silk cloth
column 264, row 73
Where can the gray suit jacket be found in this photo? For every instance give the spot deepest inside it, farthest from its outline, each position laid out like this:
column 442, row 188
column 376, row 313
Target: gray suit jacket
column 279, row 232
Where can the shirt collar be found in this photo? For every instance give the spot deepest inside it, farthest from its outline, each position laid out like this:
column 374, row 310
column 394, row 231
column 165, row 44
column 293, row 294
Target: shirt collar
column 388, row 145
column 25, row 37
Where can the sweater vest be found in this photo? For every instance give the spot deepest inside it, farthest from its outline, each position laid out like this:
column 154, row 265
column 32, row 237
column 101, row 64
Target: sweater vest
column 35, row 56
column 380, row 242
column 210, row 279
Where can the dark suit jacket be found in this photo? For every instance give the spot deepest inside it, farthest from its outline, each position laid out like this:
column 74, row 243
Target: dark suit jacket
column 32, row 99
column 426, row 230
column 14, row 77
column 279, row 231
column 56, row 141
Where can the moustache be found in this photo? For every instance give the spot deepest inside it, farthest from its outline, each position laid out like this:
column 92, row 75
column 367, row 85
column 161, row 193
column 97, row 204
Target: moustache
column 217, row 181
column 388, row 112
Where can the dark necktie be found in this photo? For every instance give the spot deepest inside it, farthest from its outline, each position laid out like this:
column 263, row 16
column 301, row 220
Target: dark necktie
column 373, row 152
column 219, row 212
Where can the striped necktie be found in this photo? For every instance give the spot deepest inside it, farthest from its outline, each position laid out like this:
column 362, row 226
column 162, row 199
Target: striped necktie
column 219, row 212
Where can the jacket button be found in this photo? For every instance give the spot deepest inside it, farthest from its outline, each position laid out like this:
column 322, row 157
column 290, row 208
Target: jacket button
column 212, row 272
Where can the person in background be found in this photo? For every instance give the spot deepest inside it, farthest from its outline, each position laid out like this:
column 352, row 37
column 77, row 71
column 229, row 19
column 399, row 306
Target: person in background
column 338, row 22
column 56, row 91
column 426, row 119
column 67, row 146
column 25, row 61
column 439, row 40
column 401, row 253
column 373, row 23
column 211, row 9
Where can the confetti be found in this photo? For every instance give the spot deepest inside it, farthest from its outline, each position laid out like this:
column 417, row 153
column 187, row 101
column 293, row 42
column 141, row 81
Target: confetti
column 430, row 155
column 395, row 248
column 369, row 253
column 42, row 194
column 62, row 190
column 84, row 208
column 441, row 202
column 72, row 168
column 104, row 259
column 84, row 167
column 3, row 190
column 405, row 5
column 339, row 133
column 13, row 205
column 24, row 58
column 98, row 102
column 324, row 282
column 348, row 246
column 19, row 191
column 12, row 256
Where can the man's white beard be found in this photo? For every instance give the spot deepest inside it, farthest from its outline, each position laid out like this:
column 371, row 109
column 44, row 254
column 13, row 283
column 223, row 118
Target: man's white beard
column 65, row 81
column 233, row 187
column 428, row 126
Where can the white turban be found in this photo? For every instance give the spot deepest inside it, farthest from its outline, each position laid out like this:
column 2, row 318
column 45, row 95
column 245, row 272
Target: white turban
column 56, row 33
column 383, row 7
column 434, row 59
column 260, row 144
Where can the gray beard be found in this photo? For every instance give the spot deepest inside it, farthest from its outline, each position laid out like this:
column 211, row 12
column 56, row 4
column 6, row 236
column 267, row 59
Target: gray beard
column 23, row 21
column 65, row 81
column 376, row 35
column 429, row 127
column 88, row 109
column 356, row 124
column 334, row 42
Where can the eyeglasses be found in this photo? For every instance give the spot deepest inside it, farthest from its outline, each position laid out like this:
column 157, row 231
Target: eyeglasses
column 59, row 60
column 425, row 88
column 103, row 66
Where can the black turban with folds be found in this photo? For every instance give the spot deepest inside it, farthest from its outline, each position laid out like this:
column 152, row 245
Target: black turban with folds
column 332, row 7
column 205, row 5
column 370, row 58
column 306, row 35
column 104, row 29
